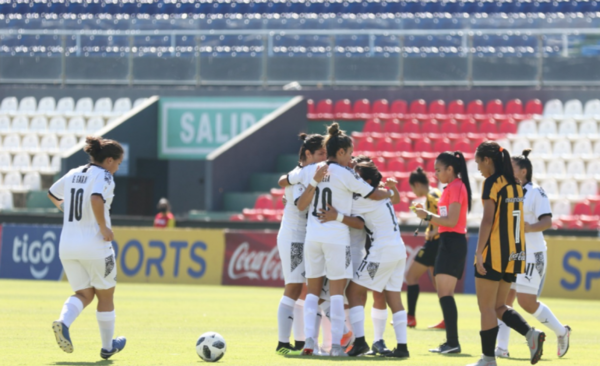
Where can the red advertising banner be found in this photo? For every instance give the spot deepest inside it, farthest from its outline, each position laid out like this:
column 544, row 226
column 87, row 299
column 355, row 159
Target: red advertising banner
column 252, row 259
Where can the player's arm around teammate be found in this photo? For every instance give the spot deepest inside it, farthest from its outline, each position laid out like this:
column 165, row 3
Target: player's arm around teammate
column 451, row 169
column 85, row 245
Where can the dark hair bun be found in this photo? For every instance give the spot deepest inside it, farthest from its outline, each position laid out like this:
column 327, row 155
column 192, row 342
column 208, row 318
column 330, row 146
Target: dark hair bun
column 526, row 153
column 334, row 129
column 302, row 136
column 419, row 170
column 93, row 145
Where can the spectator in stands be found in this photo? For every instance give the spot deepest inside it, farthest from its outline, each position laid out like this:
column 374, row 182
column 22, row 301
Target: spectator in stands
column 164, row 217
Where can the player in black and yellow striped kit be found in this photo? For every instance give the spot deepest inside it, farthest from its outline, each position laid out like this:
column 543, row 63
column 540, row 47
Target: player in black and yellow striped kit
column 500, row 253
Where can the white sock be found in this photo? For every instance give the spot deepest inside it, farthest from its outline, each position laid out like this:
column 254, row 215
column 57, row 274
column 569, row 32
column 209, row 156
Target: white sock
column 317, row 327
column 379, row 318
column 298, row 325
column 347, row 323
column 70, row 311
column 106, row 323
column 357, row 318
column 285, row 318
column 337, row 319
column 545, row 316
column 311, row 306
column 326, row 328
column 326, row 307
column 400, row 326
column 503, row 335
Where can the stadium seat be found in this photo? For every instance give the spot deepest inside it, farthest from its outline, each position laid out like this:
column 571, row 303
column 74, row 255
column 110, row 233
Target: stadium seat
column 40, row 162
column 57, row 125
column 5, row 162
column 437, row 109
column 593, row 169
column 414, row 163
column 311, row 113
column 562, row 148
column 508, row 126
column 597, row 210
column 538, row 165
column 556, row 168
column 264, row 202
column 39, row 125
column 6, row 200
column 343, row 109
column 527, row 128
column 404, row 185
column 381, row 109
column 476, row 110
column 47, row 105
column 403, row 205
column 236, row 217
column 520, row 144
column 396, row 165
column 588, row 187
column 324, row 110
column 582, row 208
column 575, row 167
column 588, row 127
column 30, row 143
column 441, row 146
column 456, row 109
column 514, row 108
column 423, row 145
column 32, row 181
column 430, row 126
column 542, row 147
column 583, row 147
column 469, row 125
column 568, row 188
column 121, row 106
column 20, row 124
column 449, row 126
column 11, row 143
column 488, row 126
column 596, row 150
column 27, row 106
column 567, row 127
column 463, row 145
column 553, row 109
column 76, row 126
column 392, row 126
column 495, row 109
column 49, row 144
column 404, row 144
column 547, row 127
column 561, row 207
column 550, row 186
column 13, row 181
column 411, row 126
column 366, row 144
column 534, row 107
column 22, row 162
column 4, row 124
column 9, row 106
column 56, row 163
column 361, row 109
column 399, row 109
column 67, row 142
column 64, row 106
column 573, row 108
column 472, row 167
column 103, row 107
column 418, row 109
column 94, row 124
column 385, row 144
column 139, row 102
column 372, row 125
column 592, row 108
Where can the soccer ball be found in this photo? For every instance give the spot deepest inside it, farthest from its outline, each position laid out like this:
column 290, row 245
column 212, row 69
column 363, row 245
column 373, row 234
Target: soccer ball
column 211, row 347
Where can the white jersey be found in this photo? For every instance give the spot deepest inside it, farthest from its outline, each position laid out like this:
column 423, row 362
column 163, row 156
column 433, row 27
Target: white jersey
column 382, row 227
column 293, row 223
column 535, row 205
column 80, row 237
column 335, row 189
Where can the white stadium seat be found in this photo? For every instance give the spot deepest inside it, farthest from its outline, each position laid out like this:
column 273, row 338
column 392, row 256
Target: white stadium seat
column 519, row 145
column 556, row 168
column 567, row 127
column 550, row 187
column 1, row 178
column 57, row 125
column 28, row 105
column 122, row 106
column 582, row 147
column 139, row 101
column 561, row 208
column 4, row 124
column 6, row 200
column 593, row 168
column 553, row 108
column 39, row 125
column 575, row 167
column 5, row 162
column 67, row 142
column 65, row 105
column 49, row 143
column 56, row 162
column 30, row 143
column 76, row 126
column 539, row 167
column 13, row 180
column 20, row 124
column 588, row 187
column 103, row 107
column 32, row 181
column 547, row 127
column 12, row 143
column 94, row 124
column 40, row 162
column 573, row 108
column 47, row 105
column 472, row 167
column 21, row 162
column 528, row 127
column 476, row 207
column 588, row 127
column 592, row 108
column 561, row 148
column 9, row 105
column 541, row 147
column 596, row 151
column 84, row 106
column 568, row 188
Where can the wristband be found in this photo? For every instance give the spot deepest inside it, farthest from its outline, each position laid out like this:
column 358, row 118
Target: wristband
column 339, row 217
column 428, row 217
column 314, row 183
column 391, row 193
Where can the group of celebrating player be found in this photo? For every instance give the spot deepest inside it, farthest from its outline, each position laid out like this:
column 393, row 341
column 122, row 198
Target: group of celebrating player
column 339, row 235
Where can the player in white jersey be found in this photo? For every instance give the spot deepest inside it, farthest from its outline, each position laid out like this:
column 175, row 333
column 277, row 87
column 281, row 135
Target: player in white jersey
column 85, row 194
column 382, row 270
column 290, row 242
column 538, row 217
column 327, row 246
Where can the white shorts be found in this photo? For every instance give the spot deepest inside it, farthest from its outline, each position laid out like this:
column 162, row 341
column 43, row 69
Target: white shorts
column 358, row 254
column 535, row 270
column 292, row 260
column 325, row 259
column 100, row 274
column 379, row 276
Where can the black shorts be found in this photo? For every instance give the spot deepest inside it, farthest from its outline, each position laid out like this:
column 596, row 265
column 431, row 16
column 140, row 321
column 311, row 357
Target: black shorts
column 427, row 254
column 495, row 275
column 452, row 254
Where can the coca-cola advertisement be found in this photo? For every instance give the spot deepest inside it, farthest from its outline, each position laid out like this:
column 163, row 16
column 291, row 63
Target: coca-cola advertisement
column 252, row 259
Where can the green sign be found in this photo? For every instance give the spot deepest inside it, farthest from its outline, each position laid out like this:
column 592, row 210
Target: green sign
column 192, row 128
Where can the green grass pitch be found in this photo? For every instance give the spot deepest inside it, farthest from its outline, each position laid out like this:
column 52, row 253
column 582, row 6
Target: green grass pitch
column 162, row 323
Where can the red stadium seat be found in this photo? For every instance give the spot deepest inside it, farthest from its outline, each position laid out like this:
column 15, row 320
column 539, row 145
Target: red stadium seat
column 411, row 126
column 236, row 217
column 343, row 109
column 403, row 205
column 325, row 109
column 423, row 145
column 404, row 144
column 381, row 109
column 475, row 107
column 399, row 109
column 476, row 140
column 468, row 126
column 430, row 126
column 277, row 195
column 449, row 126
column 463, row 145
column 575, row 225
column 392, row 126
column 396, row 165
column 361, row 109
column 433, row 181
column 418, row 109
column 597, row 210
column 379, row 162
column 441, row 146
column 271, row 215
column 414, row 163
column 590, row 222
column 488, row 126
column 311, row 109
column 253, row 215
column 372, row 125
column 508, row 126
column 278, row 202
column 437, row 107
column 404, row 186
column 494, row 107
column 385, row 144
column 582, row 208
column 264, row 202
column 430, row 165
column 534, row 106
column 456, row 108
column 366, row 144
column 514, row 109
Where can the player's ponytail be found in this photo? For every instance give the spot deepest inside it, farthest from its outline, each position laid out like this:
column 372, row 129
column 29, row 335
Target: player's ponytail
column 100, row 149
column 463, row 172
column 368, row 171
column 336, row 140
column 501, row 158
column 523, row 162
column 418, row 176
column 310, row 143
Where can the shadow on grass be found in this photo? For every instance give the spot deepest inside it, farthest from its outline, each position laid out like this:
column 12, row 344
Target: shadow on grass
column 351, row 359
column 76, row 363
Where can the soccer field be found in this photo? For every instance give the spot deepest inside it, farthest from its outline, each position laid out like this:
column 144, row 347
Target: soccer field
column 162, row 323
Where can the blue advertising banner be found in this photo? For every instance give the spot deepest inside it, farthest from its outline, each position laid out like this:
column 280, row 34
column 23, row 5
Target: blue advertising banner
column 30, row 252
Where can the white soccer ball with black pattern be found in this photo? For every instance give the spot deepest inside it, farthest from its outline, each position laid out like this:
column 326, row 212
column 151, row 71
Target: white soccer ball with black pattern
column 211, row 347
